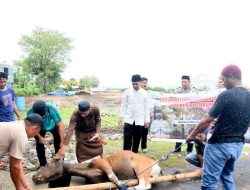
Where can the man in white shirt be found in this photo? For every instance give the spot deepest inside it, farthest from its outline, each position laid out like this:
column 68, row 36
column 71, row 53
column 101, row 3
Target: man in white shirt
column 135, row 112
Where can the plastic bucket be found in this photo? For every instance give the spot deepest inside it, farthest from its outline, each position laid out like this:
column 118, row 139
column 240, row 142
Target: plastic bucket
column 20, row 103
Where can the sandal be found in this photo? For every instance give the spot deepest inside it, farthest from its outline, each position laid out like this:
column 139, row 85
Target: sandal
column 2, row 165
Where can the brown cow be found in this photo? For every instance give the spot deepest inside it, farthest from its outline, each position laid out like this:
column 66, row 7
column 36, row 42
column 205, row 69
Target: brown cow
column 122, row 165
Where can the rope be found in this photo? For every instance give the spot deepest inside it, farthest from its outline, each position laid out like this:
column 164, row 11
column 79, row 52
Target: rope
column 124, row 186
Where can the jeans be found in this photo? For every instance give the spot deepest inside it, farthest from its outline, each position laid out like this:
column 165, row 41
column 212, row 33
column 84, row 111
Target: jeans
column 192, row 158
column 219, row 162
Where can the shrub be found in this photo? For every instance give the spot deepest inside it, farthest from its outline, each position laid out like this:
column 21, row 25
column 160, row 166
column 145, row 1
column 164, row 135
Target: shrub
column 29, row 91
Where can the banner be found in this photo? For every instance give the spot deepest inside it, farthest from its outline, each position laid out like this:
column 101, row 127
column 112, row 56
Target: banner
column 174, row 116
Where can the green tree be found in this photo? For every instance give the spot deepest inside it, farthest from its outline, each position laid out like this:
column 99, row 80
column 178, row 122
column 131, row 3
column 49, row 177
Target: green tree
column 89, row 81
column 46, row 56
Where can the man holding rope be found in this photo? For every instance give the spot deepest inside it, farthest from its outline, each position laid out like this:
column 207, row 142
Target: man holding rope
column 232, row 110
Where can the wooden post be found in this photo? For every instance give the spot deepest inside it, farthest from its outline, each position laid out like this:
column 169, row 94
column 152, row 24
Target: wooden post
column 108, row 185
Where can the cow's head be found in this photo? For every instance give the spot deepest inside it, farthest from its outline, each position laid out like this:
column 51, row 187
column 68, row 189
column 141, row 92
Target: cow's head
column 50, row 172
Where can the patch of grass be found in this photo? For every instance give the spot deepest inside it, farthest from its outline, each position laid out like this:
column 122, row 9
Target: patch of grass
column 156, row 151
column 109, row 117
column 66, row 114
column 23, row 113
column 109, row 121
column 245, row 152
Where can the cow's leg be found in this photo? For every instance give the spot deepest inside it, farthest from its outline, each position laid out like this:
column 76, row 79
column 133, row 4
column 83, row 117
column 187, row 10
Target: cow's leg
column 92, row 175
column 103, row 165
column 143, row 178
column 156, row 171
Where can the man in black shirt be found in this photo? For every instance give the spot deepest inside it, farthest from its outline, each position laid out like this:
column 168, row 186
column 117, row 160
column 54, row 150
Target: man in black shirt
column 232, row 110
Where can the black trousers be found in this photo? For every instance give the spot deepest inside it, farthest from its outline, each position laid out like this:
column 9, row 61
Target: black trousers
column 189, row 147
column 144, row 138
column 132, row 136
column 40, row 149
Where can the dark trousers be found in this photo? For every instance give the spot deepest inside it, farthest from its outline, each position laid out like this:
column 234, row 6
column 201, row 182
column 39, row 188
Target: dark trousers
column 132, row 136
column 144, row 138
column 189, row 147
column 40, row 149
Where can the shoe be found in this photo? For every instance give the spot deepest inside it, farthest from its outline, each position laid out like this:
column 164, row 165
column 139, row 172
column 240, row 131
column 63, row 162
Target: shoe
column 144, row 150
column 186, row 153
column 177, row 151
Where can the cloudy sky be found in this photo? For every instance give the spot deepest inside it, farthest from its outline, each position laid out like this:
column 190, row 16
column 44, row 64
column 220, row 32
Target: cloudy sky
column 158, row 39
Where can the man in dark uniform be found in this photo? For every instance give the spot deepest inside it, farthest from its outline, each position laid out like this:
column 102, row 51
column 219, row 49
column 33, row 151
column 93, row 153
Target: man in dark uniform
column 185, row 88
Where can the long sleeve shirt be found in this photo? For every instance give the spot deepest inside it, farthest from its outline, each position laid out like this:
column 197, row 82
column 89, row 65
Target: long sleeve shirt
column 135, row 107
column 92, row 122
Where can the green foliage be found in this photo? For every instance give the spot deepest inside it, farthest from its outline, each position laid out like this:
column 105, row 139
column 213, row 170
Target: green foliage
column 157, row 89
column 20, row 91
column 46, row 55
column 30, row 90
column 89, row 81
column 170, row 90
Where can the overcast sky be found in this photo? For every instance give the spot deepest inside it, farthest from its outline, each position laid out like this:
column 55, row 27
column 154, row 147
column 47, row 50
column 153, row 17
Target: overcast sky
column 158, row 39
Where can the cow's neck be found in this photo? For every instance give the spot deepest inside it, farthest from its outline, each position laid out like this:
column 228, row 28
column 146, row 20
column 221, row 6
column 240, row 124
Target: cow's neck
column 73, row 169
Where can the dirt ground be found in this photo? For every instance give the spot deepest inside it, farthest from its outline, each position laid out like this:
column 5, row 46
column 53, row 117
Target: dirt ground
column 241, row 177
column 112, row 101
column 103, row 100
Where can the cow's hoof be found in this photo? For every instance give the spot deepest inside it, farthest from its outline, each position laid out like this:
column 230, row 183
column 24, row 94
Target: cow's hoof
column 131, row 188
column 140, row 187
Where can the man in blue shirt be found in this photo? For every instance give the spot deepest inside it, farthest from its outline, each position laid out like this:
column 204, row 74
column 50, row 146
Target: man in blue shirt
column 7, row 101
column 52, row 123
column 7, row 104
column 232, row 110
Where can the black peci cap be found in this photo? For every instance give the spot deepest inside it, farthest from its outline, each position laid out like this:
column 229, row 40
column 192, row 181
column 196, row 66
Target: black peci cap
column 84, row 106
column 185, row 77
column 136, row 78
column 40, row 107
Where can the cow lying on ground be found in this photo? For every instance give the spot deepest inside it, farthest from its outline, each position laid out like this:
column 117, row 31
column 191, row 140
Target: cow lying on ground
column 122, row 165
